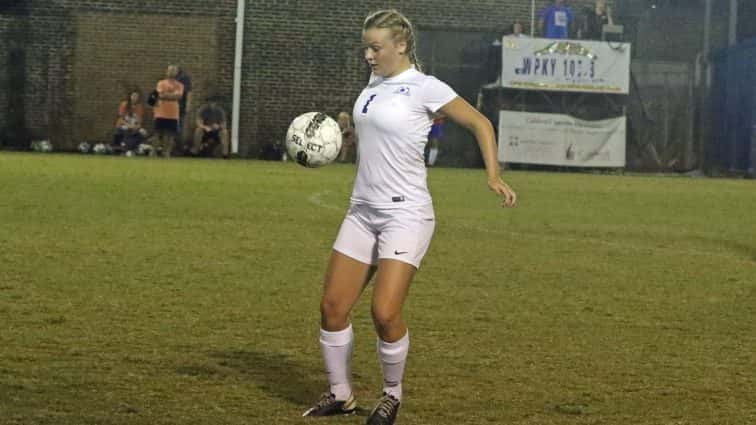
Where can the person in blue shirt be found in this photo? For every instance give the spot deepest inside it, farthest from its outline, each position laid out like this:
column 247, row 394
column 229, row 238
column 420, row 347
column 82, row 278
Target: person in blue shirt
column 555, row 20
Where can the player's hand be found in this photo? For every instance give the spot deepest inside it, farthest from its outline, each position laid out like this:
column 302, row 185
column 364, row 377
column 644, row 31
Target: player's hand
column 509, row 197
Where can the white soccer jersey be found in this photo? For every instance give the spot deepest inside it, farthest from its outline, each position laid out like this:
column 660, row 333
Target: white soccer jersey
column 392, row 117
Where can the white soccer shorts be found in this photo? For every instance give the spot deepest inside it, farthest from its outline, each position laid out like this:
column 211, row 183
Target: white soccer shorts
column 369, row 234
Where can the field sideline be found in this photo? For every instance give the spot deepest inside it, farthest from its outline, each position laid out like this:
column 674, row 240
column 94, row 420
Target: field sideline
column 149, row 291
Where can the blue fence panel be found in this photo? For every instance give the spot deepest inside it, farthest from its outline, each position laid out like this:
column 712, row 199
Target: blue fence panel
column 734, row 105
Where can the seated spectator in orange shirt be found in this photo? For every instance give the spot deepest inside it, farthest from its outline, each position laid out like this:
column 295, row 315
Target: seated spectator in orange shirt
column 129, row 132
column 211, row 135
column 166, row 110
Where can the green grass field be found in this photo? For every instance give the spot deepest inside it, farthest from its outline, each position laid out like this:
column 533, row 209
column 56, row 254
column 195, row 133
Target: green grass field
column 146, row 291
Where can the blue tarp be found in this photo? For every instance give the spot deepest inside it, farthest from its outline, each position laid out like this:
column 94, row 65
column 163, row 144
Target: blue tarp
column 733, row 142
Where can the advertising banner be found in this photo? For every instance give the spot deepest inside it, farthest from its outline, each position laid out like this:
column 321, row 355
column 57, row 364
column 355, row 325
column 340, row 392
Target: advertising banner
column 554, row 139
column 565, row 65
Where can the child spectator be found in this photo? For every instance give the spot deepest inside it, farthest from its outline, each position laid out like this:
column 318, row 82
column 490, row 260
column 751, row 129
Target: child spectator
column 129, row 132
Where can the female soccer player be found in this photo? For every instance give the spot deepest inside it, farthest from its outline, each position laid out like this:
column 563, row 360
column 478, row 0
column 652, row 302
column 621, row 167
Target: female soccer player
column 390, row 221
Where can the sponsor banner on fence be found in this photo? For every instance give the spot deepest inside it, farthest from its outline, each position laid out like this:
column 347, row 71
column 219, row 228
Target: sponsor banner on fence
column 565, row 65
column 554, row 139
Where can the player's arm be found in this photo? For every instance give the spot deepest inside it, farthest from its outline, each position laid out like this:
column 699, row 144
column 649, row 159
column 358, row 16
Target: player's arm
column 461, row 112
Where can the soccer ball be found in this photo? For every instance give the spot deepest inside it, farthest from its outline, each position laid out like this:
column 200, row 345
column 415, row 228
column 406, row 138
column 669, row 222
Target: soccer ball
column 84, row 147
column 42, row 146
column 313, row 139
column 101, row 149
column 144, row 149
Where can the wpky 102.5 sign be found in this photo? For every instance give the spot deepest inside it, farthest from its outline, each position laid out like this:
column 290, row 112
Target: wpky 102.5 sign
column 565, row 65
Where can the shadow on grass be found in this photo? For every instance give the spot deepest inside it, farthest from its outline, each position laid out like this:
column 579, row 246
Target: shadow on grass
column 744, row 249
column 277, row 374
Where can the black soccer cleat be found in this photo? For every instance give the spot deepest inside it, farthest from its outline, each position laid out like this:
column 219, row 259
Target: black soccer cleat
column 385, row 411
column 329, row 406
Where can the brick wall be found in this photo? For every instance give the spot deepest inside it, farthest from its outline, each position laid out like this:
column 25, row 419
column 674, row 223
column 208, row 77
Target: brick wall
column 129, row 68
column 81, row 56
column 5, row 24
column 309, row 58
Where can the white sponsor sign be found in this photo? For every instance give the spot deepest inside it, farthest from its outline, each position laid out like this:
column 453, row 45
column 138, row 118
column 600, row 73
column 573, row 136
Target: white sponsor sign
column 554, row 139
column 565, row 65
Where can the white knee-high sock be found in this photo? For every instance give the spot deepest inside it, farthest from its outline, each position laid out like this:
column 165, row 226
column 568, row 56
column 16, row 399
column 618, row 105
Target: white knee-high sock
column 337, row 353
column 393, row 357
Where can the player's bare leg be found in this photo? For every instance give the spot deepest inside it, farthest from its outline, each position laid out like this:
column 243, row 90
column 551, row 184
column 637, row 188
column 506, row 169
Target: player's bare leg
column 391, row 289
column 345, row 280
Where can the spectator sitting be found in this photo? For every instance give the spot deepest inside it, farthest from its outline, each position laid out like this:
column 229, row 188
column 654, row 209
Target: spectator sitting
column 348, row 151
column 129, row 132
column 166, row 110
column 555, row 20
column 211, row 134
column 595, row 19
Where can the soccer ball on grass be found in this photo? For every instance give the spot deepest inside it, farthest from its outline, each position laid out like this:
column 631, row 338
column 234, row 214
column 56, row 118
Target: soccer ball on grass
column 102, row 149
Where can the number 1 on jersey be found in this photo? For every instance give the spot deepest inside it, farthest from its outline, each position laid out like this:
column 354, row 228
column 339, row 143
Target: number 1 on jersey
column 370, row 99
